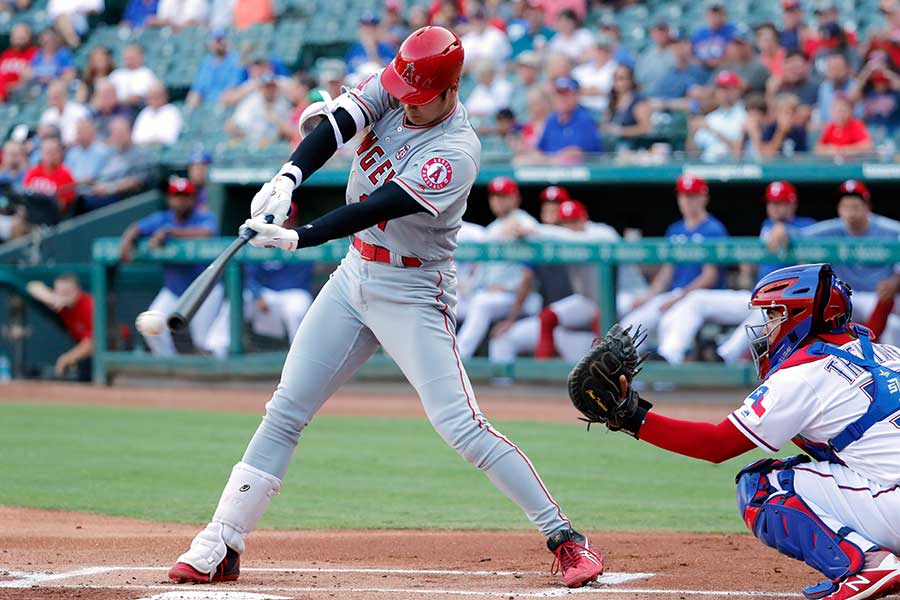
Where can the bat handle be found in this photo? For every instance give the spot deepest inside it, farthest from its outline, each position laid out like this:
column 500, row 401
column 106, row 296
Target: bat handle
column 249, row 234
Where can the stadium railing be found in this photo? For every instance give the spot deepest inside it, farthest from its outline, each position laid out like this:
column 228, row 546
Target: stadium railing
column 606, row 257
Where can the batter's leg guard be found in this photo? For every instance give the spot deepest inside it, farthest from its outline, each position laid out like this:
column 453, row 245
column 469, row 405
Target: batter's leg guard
column 782, row 520
column 244, row 500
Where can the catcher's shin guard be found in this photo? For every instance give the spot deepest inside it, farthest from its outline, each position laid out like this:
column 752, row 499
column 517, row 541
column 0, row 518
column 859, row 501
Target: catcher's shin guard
column 244, row 500
column 782, row 520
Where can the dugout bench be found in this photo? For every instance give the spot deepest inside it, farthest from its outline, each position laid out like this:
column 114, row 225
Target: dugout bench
column 605, row 256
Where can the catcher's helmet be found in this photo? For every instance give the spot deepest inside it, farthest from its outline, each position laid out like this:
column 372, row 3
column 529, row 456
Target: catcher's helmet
column 810, row 299
column 429, row 61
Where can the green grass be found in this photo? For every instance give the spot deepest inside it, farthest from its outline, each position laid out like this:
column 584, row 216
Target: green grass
column 348, row 472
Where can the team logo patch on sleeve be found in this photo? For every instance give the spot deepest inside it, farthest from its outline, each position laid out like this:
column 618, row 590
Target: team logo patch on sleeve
column 436, row 173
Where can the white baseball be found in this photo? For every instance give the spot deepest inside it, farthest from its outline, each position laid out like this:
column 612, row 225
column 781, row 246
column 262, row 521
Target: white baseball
column 150, row 322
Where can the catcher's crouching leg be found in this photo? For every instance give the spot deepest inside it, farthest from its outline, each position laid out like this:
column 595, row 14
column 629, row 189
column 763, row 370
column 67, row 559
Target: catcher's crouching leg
column 781, row 519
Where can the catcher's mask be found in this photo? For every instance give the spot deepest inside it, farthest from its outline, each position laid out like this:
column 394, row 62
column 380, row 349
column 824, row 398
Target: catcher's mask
column 796, row 302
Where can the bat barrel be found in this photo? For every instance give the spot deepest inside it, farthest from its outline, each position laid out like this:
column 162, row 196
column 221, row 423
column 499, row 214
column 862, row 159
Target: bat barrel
column 176, row 322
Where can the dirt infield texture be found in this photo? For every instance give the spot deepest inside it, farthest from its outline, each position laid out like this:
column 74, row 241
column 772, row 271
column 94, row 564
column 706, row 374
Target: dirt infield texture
column 59, row 555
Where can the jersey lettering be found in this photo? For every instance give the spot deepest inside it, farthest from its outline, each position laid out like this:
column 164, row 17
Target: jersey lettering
column 365, row 81
column 369, row 159
column 367, row 143
column 385, row 166
column 381, row 225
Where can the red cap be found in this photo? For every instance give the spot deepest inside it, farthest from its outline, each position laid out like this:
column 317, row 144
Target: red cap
column 688, row 184
column 503, row 185
column 790, row 4
column 555, row 193
column 781, row 191
column 180, row 185
column 878, row 76
column 729, row 79
column 571, row 210
column 853, row 187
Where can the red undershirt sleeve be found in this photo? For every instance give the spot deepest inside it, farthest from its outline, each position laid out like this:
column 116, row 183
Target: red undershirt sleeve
column 715, row 443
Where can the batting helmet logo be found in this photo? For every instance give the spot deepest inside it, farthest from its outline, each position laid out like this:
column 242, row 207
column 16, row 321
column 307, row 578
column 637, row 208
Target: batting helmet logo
column 408, row 73
column 436, row 173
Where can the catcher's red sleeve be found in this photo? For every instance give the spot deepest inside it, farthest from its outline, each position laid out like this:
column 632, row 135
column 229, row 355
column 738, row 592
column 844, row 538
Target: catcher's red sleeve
column 715, row 443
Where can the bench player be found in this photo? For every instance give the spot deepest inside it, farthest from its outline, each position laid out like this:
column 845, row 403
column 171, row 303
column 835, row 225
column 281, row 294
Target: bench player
column 833, row 392
column 396, row 288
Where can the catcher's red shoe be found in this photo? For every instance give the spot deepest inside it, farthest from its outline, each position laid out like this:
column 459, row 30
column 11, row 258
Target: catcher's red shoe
column 879, row 578
column 575, row 560
column 227, row 570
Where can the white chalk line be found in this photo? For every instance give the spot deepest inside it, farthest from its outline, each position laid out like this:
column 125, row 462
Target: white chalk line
column 601, row 587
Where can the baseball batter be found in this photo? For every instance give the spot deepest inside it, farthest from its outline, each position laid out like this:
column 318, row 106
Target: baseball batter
column 835, row 393
column 396, row 288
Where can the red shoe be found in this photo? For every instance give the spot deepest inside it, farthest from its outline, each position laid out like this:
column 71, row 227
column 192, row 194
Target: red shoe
column 574, row 558
column 227, row 570
column 879, row 578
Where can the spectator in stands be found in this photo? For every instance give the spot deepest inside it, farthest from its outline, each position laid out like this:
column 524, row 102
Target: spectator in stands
column 680, row 88
column 416, row 17
column 595, row 76
column 878, row 90
column 570, row 131
column 138, row 12
column 508, row 129
column 719, row 135
column 159, row 122
column 709, row 42
column 739, row 58
column 50, row 176
column 221, row 15
column 87, row 157
column 368, row 49
column 251, row 12
column 794, row 31
column 829, row 36
column 14, row 6
column 490, row 94
column 621, row 54
column 393, row 29
column 75, row 308
column 331, row 76
column 126, row 171
column 539, row 108
column 220, row 70
column 795, row 80
column 99, row 65
column 14, row 164
column 446, row 13
column 527, row 75
column 52, row 61
column 13, row 223
column 133, row 79
column 179, row 14
column 673, row 282
column 571, row 39
column 181, row 221
column 771, row 54
column 483, row 41
column 105, row 107
column 888, row 39
column 262, row 117
column 656, row 60
column 531, row 33
column 784, row 134
column 838, row 79
column 71, row 18
column 257, row 66
column 844, row 136
column 63, row 112
column 15, row 60
column 198, row 174
column 628, row 115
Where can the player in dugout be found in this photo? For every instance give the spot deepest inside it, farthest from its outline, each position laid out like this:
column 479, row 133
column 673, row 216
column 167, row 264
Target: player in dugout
column 75, row 308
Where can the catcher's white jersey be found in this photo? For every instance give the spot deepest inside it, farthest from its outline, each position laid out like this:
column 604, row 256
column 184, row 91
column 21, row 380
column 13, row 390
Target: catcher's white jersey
column 436, row 165
column 814, row 401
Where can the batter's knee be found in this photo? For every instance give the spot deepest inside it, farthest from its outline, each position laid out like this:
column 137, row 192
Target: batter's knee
column 473, row 439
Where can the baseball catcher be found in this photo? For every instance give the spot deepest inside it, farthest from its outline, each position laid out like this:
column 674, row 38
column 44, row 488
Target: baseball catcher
column 827, row 387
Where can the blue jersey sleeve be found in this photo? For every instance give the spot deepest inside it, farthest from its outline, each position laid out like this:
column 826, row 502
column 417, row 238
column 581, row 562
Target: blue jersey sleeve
column 251, row 279
column 152, row 223
column 205, row 220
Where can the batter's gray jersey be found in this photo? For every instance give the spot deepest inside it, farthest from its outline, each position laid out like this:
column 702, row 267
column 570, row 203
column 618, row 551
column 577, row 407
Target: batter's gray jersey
column 436, row 165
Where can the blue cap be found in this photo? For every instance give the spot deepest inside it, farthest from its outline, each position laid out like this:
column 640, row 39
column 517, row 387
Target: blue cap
column 568, row 84
column 369, row 19
column 200, row 156
column 217, row 34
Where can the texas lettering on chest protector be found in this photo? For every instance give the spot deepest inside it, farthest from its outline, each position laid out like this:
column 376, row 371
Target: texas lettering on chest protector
column 395, row 289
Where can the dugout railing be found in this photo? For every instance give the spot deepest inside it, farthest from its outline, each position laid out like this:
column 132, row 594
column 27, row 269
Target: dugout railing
column 606, row 257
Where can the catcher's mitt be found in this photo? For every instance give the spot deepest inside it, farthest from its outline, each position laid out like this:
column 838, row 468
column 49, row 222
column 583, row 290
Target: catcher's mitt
column 595, row 387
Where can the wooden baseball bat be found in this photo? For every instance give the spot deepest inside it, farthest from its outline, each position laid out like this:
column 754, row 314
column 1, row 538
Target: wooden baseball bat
column 197, row 292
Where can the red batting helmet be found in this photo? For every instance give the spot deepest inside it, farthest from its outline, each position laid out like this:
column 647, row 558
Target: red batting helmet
column 688, row 184
column 781, row 191
column 571, row 210
column 503, row 185
column 555, row 193
column 429, row 61
column 853, row 187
